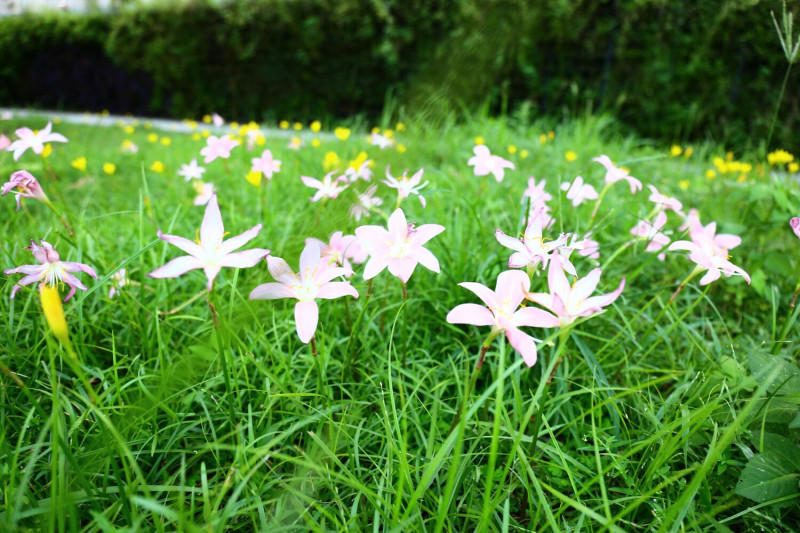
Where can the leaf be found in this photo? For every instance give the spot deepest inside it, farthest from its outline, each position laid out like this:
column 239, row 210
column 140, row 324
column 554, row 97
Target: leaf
column 781, row 448
column 765, row 478
column 796, row 422
column 788, row 378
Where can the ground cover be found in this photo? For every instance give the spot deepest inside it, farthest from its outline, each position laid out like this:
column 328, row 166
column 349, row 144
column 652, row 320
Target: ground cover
column 670, row 406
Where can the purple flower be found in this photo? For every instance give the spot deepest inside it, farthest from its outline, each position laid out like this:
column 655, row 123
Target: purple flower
column 50, row 270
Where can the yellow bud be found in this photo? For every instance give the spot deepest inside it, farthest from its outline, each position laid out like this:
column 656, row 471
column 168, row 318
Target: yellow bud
column 206, row 119
column 297, row 126
column 400, row 126
column 688, row 152
column 551, row 135
column 54, row 312
column 523, row 154
column 79, row 164
column 542, row 138
column 793, row 167
column 683, row 184
column 711, row 174
column 166, row 141
column 342, row 133
column 315, row 142
column 152, row 137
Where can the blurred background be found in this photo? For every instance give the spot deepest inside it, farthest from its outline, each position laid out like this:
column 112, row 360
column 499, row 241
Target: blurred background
column 671, row 70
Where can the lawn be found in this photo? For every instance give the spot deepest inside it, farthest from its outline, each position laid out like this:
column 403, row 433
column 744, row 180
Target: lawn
column 673, row 406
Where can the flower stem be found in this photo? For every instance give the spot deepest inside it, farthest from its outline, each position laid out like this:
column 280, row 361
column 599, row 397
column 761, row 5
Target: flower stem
column 473, row 379
column 675, row 294
column 563, row 337
column 58, row 213
column 223, row 353
column 600, row 200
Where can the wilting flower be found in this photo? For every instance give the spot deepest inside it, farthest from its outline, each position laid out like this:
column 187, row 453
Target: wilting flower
column 50, row 271
column 314, row 280
column 26, row 185
column 615, row 174
column 710, row 252
column 663, row 201
column 406, row 186
column 266, row 164
column 503, row 314
column 568, row 302
column 652, row 233
column 365, row 204
column 532, row 249
column 204, row 192
column 35, row 140
column 795, row 224
column 118, row 280
column 192, row 171
column 399, row 248
column 485, row 163
column 341, row 249
column 218, row 147
column 211, row 253
column 327, row 188
column 577, row 191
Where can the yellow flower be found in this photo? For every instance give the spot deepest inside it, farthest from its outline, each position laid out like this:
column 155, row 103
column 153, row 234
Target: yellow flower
column 375, row 130
column 157, row 166
column 551, row 135
column 47, row 150
column 206, row 119
column 196, row 136
column 283, row 124
column 152, row 137
column 542, row 138
column 400, row 126
column 260, row 140
column 388, row 134
column 79, row 164
column 234, row 125
column 127, row 144
column 683, row 184
column 253, row 178
column 688, row 152
column 315, row 142
column 675, row 150
column 711, row 174
column 722, row 167
column 147, row 125
column 523, row 154
column 342, row 133
column 570, row 156
column 402, row 148
column 479, row 140
column 741, row 178
column 358, row 161
column 297, row 126
column 793, row 167
column 129, row 129
column 779, row 157
column 205, row 134
column 331, row 161
column 109, row 168
column 316, row 126
column 734, row 166
column 296, row 142
column 512, row 149
column 166, row 141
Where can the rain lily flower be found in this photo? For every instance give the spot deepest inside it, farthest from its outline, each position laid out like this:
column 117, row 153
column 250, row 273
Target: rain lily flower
column 266, row 164
column 365, row 204
column 35, row 140
column 218, row 147
column 795, row 224
column 710, row 252
column 341, row 249
column 211, row 253
column 568, row 302
column 26, row 185
column 406, row 186
column 532, row 249
column 502, row 312
column 664, row 202
column 327, row 188
column 399, row 248
column 536, row 192
column 577, row 191
column 204, row 192
column 296, row 143
column 359, row 168
column 587, row 247
column 217, row 120
column 314, row 280
column 485, row 163
column 192, row 171
column 5, row 142
column 615, row 174
column 652, row 233
column 695, row 227
column 381, row 141
column 50, row 271
column 118, row 280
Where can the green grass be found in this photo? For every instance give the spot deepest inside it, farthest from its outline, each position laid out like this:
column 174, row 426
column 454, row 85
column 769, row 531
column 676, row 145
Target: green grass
column 647, row 424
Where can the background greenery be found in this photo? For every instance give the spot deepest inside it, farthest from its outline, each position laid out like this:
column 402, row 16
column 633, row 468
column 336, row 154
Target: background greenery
column 671, row 70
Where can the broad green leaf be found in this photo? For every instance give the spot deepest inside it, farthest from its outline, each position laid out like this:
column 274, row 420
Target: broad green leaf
column 765, row 478
column 781, row 448
column 788, row 379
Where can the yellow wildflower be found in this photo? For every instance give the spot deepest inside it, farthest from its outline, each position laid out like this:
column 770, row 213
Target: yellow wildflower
column 675, row 150
column 147, row 125
column 196, row 136
column 523, row 154
column 283, row 124
column 479, row 140
column 401, row 148
column 253, row 178
column 512, row 149
column 206, row 119
column 109, row 168
column 683, row 184
column 166, row 141
column 342, row 133
column 129, row 129
column 570, row 156
column 47, row 150
column 400, row 126
column 793, row 167
column 551, row 135
column 688, row 152
column 388, row 134
column 331, row 161
column 79, row 164
column 157, row 166
column 711, row 174
column 779, row 157
column 316, row 126
column 152, row 137
column 315, row 142
column 297, row 126
column 542, row 138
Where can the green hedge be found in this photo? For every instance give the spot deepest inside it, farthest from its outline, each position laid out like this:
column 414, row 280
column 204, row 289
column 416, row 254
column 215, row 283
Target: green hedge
column 671, row 69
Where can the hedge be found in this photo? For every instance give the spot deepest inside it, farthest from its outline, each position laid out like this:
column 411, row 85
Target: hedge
column 671, row 69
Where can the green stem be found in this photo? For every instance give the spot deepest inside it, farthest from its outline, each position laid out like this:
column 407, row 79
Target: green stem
column 777, row 107
column 600, row 200
column 473, row 379
column 223, row 354
column 563, row 337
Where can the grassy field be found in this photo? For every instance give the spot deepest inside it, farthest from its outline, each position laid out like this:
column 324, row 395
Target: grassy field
column 658, row 414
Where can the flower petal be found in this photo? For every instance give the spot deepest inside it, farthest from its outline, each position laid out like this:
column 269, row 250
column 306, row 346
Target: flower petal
column 190, row 247
column 535, row 318
column 271, row 291
column 402, row 267
column 306, row 317
column 244, row 259
column 211, row 230
column 336, row 289
column 176, row 267
column 280, row 270
column 375, row 266
column 524, row 344
column 474, row 314
column 234, row 243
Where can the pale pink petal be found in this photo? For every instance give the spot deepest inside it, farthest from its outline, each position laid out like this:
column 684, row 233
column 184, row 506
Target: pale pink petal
column 474, row 314
column 512, row 285
column 524, row 344
column 27, row 280
column 280, row 270
column 309, row 258
column 325, row 275
column 402, row 268
column 211, row 271
column 713, row 274
column 375, row 266
column 211, row 230
column 31, row 270
column 176, row 267
column 244, row 259
column 306, row 317
column 426, row 259
column 483, row 292
column 397, row 225
column 727, row 241
column 684, row 245
column 370, row 237
column 535, row 318
column 542, row 298
column 311, row 182
column 426, row 232
column 271, row 291
column 795, row 224
column 509, row 242
column 190, row 247
column 585, row 286
column 336, row 289
column 240, row 240
column 557, row 280
column 598, row 302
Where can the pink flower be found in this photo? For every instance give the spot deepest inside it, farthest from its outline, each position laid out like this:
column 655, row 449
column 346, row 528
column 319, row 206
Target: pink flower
column 615, row 174
column 118, row 280
column 664, row 202
column 586, row 247
column 51, row 270
column 795, row 224
column 578, row 191
column 26, row 185
column 266, row 164
column 191, row 171
column 211, row 253
column 5, row 142
column 536, row 193
column 485, row 163
column 710, row 252
column 204, row 192
column 696, row 228
column 503, row 314
column 365, row 204
column 340, row 250
column 381, row 141
column 327, row 188
column 406, row 186
column 362, row 172
column 652, row 233
column 217, row 120
column 34, row 140
column 218, row 147
column 531, row 249
column 569, row 302
column 399, row 248
column 313, row 281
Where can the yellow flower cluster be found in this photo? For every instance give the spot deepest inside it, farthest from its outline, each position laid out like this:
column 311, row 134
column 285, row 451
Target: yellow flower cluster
column 676, row 150
column 549, row 136
column 779, row 157
column 729, row 165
